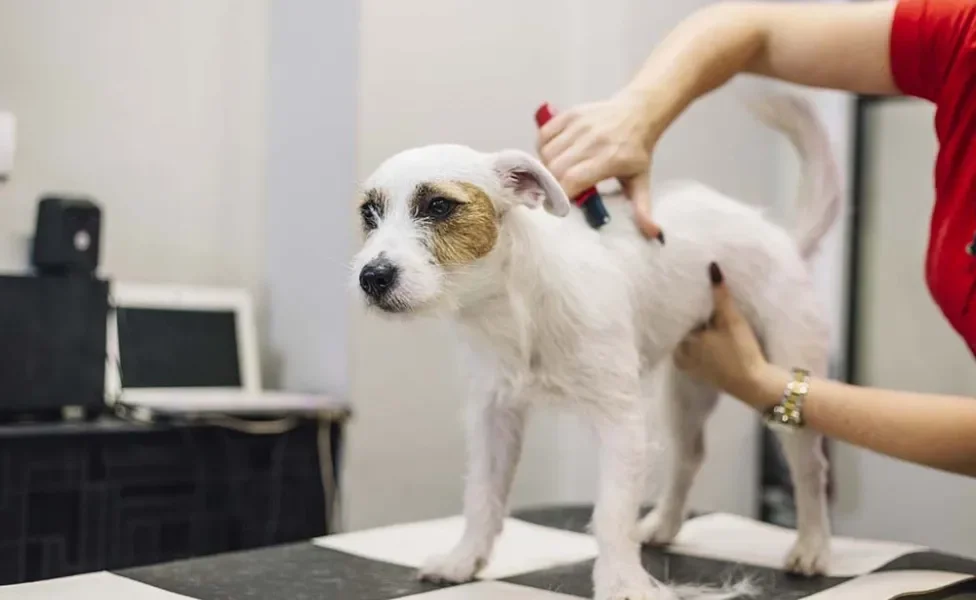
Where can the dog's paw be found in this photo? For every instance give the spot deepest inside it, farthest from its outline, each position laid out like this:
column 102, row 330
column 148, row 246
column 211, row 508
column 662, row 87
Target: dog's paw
column 454, row 567
column 809, row 556
column 612, row 582
column 659, row 528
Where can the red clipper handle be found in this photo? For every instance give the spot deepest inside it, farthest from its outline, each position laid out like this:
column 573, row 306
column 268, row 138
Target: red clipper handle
column 590, row 200
column 542, row 116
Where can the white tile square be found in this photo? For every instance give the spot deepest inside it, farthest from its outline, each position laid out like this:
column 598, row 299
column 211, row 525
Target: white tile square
column 521, row 548
column 888, row 584
column 90, row 586
column 490, row 590
column 738, row 539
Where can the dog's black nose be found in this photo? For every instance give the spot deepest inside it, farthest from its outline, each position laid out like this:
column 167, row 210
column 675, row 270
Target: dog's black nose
column 377, row 277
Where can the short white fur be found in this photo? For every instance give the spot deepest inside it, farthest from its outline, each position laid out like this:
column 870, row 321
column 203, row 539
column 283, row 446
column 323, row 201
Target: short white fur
column 560, row 314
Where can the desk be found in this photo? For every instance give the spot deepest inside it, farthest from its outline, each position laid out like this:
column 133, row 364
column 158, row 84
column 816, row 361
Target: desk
column 80, row 496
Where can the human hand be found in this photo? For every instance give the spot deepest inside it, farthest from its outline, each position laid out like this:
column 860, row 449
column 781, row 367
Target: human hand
column 726, row 353
column 610, row 139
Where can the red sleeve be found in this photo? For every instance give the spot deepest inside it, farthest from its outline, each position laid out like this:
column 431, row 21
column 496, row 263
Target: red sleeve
column 927, row 36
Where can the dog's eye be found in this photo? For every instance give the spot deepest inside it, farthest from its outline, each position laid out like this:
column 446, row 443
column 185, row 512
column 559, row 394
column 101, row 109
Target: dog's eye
column 440, row 208
column 370, row 214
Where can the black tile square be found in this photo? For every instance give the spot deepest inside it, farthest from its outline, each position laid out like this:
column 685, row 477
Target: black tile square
column 294, row 572
column 932, row 561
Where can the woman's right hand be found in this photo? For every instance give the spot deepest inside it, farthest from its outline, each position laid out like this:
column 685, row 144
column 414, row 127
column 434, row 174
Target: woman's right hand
column 614, row 138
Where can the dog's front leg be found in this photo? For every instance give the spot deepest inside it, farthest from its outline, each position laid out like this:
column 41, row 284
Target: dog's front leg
column 618, row 574
column 494, row 439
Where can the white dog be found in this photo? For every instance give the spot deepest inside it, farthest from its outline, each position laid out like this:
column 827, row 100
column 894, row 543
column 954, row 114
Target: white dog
column 556, row 313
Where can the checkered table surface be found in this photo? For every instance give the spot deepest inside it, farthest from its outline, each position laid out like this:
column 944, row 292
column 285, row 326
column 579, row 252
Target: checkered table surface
column 542, row 555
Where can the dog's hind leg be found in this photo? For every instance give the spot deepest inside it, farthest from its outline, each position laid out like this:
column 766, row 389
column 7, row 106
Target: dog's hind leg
column 808, row 466
column 687, row 405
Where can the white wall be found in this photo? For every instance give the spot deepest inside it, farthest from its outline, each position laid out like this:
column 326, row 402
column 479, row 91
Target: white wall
column 434, row 71
column 156, row 109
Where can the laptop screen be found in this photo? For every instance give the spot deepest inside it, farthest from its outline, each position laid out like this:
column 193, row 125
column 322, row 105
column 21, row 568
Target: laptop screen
column 165, row 348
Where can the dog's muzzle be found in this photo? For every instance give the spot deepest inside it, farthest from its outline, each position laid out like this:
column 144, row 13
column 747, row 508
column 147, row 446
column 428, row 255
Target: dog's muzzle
column 378, row 278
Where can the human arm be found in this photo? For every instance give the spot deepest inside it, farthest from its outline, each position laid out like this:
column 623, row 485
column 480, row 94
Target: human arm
column 842, row 46
column 829, row 45
column 934, row 430
column 929, row 429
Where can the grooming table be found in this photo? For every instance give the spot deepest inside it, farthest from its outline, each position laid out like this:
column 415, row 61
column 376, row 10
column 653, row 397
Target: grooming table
column 543, row 554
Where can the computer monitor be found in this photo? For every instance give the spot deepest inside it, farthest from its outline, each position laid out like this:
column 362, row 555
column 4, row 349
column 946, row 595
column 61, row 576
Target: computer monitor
column 166, row 337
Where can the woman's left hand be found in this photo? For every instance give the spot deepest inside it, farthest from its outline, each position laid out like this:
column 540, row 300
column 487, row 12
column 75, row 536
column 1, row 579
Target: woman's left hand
column 726, row 353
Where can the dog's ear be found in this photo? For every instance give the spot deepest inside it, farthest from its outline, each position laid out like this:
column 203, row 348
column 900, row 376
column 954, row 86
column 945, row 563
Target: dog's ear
column 530, row 182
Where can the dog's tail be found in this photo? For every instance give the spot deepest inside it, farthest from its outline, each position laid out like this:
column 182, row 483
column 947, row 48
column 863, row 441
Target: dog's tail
column 820, row 196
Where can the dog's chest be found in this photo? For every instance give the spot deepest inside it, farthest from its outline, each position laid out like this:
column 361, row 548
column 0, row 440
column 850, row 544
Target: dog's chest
column 535, row 353
column 505, row 337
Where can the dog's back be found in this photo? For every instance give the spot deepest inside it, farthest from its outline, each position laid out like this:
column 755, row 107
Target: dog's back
column 764, row 263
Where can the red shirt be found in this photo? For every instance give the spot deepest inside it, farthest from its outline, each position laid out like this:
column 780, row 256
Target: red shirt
column 933, row 56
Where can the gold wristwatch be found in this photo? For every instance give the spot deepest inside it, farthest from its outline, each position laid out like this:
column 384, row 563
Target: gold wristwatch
column 788, row 414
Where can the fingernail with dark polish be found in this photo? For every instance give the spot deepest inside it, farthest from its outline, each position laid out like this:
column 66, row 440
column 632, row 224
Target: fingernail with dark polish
column 715, row 274
column 660, row 237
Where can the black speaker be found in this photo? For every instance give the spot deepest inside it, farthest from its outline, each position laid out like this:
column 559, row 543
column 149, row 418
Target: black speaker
column 67, row 236
column 52, row 342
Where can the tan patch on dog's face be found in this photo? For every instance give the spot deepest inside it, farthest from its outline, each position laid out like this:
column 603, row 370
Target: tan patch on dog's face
column 468, row 232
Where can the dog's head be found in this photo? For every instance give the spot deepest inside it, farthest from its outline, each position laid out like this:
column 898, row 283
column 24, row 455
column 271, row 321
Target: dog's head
column 429, row 213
